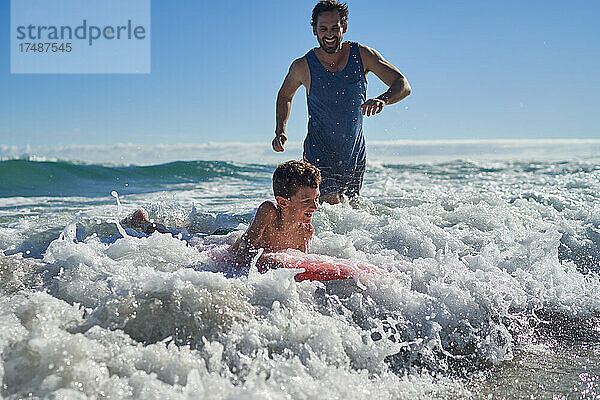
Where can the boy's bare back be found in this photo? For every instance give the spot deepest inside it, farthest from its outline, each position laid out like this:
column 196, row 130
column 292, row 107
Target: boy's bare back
column 270, row 232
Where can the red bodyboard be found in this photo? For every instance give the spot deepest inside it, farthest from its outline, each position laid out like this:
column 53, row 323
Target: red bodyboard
column 324, row 268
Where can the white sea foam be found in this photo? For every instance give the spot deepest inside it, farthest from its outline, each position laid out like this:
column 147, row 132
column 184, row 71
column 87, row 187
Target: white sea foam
column 478, row 255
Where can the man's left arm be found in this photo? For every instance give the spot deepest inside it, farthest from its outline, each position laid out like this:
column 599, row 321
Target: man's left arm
column 390, row 75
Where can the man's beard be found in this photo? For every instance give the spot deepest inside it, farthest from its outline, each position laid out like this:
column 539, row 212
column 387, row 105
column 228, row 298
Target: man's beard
column 330, row 50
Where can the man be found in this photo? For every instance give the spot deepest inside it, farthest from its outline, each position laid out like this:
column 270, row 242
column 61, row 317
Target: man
column 334, row 75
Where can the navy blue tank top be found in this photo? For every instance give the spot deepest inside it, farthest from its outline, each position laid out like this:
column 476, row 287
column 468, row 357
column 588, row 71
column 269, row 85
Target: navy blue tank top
column 335, row 137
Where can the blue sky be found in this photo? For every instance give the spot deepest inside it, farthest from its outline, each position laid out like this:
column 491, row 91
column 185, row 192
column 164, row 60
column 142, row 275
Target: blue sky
column 478, row 69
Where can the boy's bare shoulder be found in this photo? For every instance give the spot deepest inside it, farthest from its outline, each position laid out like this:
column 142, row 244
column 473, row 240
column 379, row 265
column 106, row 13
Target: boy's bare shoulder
column 266, row 212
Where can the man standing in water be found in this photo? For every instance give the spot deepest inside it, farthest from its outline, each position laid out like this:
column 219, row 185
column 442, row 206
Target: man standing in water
column 334, row 76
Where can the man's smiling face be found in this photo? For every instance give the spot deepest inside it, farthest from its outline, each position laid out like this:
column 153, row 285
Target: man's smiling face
column 329, row 31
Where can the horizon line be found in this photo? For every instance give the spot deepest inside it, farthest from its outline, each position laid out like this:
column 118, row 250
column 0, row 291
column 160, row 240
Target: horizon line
column 406, row 142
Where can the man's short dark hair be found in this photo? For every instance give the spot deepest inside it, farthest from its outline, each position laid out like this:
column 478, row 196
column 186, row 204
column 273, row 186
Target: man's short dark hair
column 328, row 5
column 291, row 175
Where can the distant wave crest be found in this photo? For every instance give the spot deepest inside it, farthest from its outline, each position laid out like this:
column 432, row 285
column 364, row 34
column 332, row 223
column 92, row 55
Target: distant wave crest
column 26, row 177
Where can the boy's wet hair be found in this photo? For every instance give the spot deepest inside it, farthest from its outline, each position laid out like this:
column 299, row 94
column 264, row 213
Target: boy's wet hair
column 291, row 175
column 328, row 5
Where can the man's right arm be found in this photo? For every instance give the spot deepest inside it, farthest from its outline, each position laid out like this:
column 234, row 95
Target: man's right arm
column 297, row 75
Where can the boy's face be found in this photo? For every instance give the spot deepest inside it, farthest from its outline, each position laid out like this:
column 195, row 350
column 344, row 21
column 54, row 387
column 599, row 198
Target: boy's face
column 303, row 204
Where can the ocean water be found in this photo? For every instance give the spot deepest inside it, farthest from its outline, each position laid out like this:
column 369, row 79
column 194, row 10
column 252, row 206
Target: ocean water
column 492, row 285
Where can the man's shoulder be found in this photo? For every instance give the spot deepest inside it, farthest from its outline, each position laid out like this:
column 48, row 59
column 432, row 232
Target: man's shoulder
column 299, row 62
column 367, row 50
column 369, row 56
column 299, row 69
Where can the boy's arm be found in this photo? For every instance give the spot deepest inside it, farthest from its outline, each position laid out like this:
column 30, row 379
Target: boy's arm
column 245, row 247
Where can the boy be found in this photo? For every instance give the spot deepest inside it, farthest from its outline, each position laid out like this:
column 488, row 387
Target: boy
column 287, row 223
column 276, row 226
